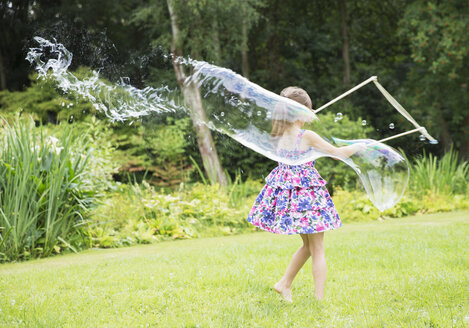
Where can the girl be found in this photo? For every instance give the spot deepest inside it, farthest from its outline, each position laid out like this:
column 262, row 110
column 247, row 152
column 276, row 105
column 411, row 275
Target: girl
column 295, row 199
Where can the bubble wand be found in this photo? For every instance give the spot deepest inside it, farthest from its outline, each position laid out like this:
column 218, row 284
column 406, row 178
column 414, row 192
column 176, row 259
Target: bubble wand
column 393, row 102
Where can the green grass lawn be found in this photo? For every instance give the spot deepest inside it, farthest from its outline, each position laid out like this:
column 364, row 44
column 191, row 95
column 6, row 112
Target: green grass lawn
column 410, row 272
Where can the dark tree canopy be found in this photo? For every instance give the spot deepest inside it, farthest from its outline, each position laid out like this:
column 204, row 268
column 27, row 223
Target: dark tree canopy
column 418, row 49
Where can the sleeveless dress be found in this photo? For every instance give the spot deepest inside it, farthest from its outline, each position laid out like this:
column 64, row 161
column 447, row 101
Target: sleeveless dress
column 294, row 200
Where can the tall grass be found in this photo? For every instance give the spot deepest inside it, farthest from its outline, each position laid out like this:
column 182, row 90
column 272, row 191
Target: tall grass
column 42, row 193
column 444, row 175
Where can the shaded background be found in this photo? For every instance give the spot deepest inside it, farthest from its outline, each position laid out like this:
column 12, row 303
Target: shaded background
column 418, row 49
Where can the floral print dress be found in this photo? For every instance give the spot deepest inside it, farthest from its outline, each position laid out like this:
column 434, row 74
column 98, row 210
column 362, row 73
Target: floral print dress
column 294, row 200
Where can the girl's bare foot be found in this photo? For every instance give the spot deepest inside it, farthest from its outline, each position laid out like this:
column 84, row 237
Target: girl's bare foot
column 283, row 291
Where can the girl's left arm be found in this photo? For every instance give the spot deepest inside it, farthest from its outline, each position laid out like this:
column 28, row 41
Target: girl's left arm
column 315, row 140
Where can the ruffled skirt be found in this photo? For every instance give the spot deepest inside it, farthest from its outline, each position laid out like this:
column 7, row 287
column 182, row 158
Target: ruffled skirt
column 289, row 207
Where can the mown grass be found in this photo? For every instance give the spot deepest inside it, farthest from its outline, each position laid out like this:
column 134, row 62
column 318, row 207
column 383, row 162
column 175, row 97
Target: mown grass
column 409, row 272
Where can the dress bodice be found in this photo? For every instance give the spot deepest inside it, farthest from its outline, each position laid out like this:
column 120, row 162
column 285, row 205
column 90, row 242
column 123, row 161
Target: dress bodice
column 288, row 176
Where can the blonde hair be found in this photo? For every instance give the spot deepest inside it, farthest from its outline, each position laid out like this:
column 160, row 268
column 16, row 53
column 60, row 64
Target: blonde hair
column 280, row 121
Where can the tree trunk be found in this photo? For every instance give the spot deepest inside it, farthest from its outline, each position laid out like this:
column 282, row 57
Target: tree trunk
column 244, row 49
column 446, row 139
column 464, row 150
column 193, row 100
column 216, row 39
column 345, row 42
column 3, row 79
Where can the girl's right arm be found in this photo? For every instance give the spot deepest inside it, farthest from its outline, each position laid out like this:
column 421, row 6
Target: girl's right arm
column 314, row 140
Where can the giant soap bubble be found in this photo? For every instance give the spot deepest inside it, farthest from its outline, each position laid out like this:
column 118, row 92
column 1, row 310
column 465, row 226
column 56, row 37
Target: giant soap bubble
column 231, row 105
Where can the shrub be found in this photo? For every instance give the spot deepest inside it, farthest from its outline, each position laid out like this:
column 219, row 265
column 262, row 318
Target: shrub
column 43, row 194
column 356, row 206
column 94, row 138
column 138, row 213
column 45, row 102
column 446, row 175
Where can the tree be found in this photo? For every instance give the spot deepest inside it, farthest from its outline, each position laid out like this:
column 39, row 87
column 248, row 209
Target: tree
column 14, row 31
column 210, row 30
column 193, row 99
column 345, row 42
column 438, row 34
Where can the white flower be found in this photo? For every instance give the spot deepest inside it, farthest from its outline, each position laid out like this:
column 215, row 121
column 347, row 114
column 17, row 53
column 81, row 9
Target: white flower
column 52, row 141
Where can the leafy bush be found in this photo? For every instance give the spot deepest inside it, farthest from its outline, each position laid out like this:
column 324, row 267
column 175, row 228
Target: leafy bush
column 356, row 206
column 45, row 102
column 154, row 149
column 94, row 138
column 43, row 194
column 139, row 214
column 440, row 176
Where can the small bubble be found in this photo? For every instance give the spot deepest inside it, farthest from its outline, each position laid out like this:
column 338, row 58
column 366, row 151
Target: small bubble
column 363, row 122
column 259, row 113
column 422, row 137
column 339, row 116
column 391, row 126
column 434, row 142
column 63, row 104
column 222, row 113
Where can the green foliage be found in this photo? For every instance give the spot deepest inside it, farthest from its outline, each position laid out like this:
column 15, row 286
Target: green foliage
column 438, row 34
column 137, row 213
column 238, row 190
column 208, row 29
column 157, row 149
column 169, row 140
column 44, row 197
column 446, row 175
column 43, row 100
column 435, row 185
column 93, row 137
column 356, row 206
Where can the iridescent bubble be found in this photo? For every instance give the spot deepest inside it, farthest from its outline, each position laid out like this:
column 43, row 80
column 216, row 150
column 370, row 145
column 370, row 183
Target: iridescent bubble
column 434, row 142
column 391, row 126
column 422, row 137
column 339, row 116
column 383, row 171
column 221, row 92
